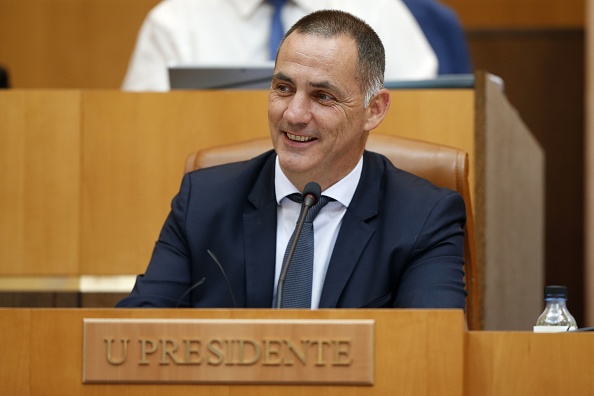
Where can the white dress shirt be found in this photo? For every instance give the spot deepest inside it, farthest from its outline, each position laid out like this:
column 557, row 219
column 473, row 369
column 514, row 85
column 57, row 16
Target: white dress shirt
column 237, row 31
column 326, row 224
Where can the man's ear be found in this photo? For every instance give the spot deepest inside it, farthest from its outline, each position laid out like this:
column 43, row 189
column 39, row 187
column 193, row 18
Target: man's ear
column 378, row 107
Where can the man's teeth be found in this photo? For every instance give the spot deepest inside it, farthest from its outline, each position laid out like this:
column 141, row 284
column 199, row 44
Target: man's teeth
column 300, row 138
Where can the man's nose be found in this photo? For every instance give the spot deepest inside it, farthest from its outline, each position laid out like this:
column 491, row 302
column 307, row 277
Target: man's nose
column 299, row 109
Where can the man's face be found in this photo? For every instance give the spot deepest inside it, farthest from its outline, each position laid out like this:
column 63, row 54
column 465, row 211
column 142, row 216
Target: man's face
column 317, row 120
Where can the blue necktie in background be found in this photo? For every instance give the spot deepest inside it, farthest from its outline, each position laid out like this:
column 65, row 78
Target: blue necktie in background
column 297, row 290
column 276, row 28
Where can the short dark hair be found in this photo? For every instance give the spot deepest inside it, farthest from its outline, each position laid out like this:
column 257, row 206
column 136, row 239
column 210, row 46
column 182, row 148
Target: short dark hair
column 370, row 50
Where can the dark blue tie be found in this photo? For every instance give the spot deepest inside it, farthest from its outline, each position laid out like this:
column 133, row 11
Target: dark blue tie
column 276, row 28
column 297, row 290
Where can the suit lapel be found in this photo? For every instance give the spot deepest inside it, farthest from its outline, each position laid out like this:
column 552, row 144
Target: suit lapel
column 354, row 232
column 259, row 227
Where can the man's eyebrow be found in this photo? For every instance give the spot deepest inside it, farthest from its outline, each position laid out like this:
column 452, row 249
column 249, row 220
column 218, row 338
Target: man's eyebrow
column 326, row 85
column 282, row 76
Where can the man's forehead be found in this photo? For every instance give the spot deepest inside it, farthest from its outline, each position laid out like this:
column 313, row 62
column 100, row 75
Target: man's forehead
column 316, row 36
column 334, row 51
column 318, row 61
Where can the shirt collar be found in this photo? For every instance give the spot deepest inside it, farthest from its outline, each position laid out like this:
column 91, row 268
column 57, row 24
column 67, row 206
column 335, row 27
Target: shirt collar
column 246, row 8
column 342, row 191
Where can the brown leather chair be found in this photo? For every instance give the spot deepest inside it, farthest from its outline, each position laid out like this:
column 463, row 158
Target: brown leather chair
column 442, row 165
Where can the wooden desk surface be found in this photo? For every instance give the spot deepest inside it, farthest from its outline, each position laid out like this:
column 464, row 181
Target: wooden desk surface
column 525, row 363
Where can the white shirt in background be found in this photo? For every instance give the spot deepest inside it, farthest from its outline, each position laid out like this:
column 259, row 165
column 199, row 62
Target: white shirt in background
column 222, row 32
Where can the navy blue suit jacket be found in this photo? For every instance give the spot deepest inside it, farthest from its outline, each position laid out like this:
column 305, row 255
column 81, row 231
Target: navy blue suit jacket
column 400, row 243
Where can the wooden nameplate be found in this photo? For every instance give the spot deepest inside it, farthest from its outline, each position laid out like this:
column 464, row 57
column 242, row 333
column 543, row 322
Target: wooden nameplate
column 264, row 351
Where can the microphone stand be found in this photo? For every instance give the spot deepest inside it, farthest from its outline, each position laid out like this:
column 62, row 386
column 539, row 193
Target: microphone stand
column 283, row 275
column 311, row 194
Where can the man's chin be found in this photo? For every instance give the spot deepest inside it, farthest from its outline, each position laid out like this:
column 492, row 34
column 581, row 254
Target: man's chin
column 295, row 163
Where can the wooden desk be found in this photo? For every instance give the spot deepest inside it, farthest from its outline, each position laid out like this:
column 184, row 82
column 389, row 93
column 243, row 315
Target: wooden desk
column 524, row 363
column 416, row 353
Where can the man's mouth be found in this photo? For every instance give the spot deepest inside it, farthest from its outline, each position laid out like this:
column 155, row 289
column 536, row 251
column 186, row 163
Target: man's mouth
column 297, row 138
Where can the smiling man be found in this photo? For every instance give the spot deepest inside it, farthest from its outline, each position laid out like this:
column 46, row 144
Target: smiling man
column 384, row 238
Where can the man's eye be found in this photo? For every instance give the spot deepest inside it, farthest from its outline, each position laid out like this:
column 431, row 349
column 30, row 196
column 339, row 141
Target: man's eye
column 324, row 97
column 282, row 88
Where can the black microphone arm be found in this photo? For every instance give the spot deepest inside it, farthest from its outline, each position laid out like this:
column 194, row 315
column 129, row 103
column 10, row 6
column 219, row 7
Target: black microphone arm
column 201, row 281
column 311, row 195
column 218, row 263
column 195, row 285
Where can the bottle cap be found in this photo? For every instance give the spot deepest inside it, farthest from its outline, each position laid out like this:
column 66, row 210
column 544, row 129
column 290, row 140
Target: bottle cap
column 555, row 292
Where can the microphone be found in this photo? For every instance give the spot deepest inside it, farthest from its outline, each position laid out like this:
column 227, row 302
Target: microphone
column 311, row 195
column 217, row 262
column 195, row 285
column 201, row 281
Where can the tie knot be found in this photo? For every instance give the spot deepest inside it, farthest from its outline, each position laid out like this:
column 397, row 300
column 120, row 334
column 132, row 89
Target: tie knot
column 277, row 4
column 314, row 210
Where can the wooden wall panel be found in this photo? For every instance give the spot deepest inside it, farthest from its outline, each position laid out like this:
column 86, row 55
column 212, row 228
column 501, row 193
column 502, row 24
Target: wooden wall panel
column 39, row 182
column 133, row 161
column 69, row 43
column 504, row 14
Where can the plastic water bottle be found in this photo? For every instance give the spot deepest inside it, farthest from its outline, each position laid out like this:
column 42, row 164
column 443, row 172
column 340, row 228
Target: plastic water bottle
column 555, row 317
